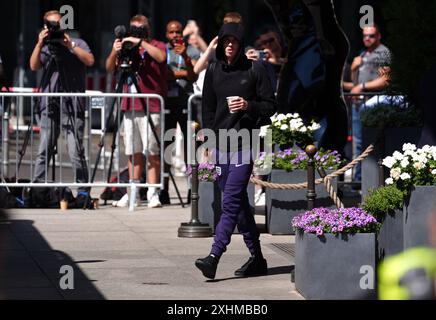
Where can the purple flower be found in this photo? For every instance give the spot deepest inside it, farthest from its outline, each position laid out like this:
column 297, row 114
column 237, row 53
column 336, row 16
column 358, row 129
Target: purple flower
column 323, row 220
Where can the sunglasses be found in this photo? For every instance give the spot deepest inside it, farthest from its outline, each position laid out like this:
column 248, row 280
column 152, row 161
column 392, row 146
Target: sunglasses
column 370, row 36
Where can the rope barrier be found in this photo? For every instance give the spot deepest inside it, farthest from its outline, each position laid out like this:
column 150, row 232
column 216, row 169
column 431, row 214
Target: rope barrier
column 326, row 180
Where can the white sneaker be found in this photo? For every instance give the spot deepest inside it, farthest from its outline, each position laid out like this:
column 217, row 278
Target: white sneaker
column 154, row 202
column 122, row 203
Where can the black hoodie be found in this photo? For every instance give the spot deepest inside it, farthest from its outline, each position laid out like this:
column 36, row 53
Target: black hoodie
column 243, row 78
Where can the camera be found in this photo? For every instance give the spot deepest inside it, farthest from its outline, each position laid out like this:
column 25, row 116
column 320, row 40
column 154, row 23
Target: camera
column 55, row 35
column 129, row 49
column 139, row 32
column 262, row 55
column 126, row 54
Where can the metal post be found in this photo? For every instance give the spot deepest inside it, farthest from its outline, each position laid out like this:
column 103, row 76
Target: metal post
column 194, row 228
column 311, row 194
column 5, row 133
column 86, row 136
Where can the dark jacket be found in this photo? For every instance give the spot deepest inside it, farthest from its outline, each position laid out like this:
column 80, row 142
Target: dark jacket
column 242, row 78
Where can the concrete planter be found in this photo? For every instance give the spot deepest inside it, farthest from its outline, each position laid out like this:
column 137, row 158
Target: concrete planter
column 330, row 267
column 391, row 141
column 283, row 205
column 417, row 210
column 209, row 203
column 391, row 236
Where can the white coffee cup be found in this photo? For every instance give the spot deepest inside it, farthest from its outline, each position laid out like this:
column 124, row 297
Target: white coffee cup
column 230, row 99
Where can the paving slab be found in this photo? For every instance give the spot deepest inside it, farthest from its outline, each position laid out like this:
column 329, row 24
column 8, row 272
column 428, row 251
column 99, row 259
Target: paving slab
column 117, row 254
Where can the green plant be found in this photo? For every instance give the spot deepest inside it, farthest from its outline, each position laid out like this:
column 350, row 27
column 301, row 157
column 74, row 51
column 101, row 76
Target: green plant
column 382, row 201
column 386, row 116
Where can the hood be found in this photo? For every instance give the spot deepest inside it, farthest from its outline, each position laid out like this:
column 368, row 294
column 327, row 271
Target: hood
column 231, row 29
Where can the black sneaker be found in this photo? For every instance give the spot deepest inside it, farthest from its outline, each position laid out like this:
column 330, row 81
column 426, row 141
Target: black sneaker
column 207, row 266
column 253, row 267
column 164, row 197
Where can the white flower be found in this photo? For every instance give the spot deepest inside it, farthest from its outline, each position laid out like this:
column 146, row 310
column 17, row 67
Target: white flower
column 433, row 171
column 389, row 181
column 409, row 153
column 284, row 127
column 303, row 129
column 295, row 116
column 274, row 118
column 289, row 115
column 404, row 176
column 395, row 173
column 281, row 117
column 389, row 162
column 315, row 126
column 295, row 124
column 263, row 131
column 426, row 148
column 404, row 163
column 420, row 158
column 418, row 165
column 409, row 146
column 398, row 156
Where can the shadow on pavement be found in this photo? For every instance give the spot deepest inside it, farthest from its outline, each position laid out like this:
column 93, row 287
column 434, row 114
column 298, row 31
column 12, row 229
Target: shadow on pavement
column 271, row 272
column 31, row 269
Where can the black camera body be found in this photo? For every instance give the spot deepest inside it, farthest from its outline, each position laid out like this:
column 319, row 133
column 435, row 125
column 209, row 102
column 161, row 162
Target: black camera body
column 126, row 54
column 55, row 34
column 129, row 49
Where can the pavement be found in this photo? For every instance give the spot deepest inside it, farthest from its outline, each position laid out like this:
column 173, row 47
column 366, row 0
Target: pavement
column 110, row 253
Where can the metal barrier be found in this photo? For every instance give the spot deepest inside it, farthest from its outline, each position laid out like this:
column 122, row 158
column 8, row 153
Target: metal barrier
column 371, row 99
column 13, row 142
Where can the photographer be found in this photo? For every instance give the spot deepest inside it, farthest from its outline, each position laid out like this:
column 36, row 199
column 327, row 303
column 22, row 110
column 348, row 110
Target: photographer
column 57, row 52
column 181, row 59
column 149, row 62
column 269, row 51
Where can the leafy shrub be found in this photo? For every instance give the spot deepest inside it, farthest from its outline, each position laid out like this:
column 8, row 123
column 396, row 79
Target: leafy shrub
column 385, row 116
column 382, row 201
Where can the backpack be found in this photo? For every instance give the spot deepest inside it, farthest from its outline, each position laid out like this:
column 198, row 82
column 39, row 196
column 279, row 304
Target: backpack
column 7, row 199
column 47, row 197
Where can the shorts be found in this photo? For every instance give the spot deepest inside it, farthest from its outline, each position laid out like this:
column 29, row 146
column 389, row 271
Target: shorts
column 138, row 136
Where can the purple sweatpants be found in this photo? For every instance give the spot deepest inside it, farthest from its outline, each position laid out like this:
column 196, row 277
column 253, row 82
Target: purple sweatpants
column 233, row 180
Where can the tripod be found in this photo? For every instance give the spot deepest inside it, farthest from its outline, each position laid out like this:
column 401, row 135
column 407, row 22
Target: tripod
column 127, row 74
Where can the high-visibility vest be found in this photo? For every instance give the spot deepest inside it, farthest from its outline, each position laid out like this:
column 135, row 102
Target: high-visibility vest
column 408, row 275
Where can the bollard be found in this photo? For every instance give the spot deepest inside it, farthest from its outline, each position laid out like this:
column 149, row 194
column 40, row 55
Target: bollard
column 194, row 228
column 311, row 194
